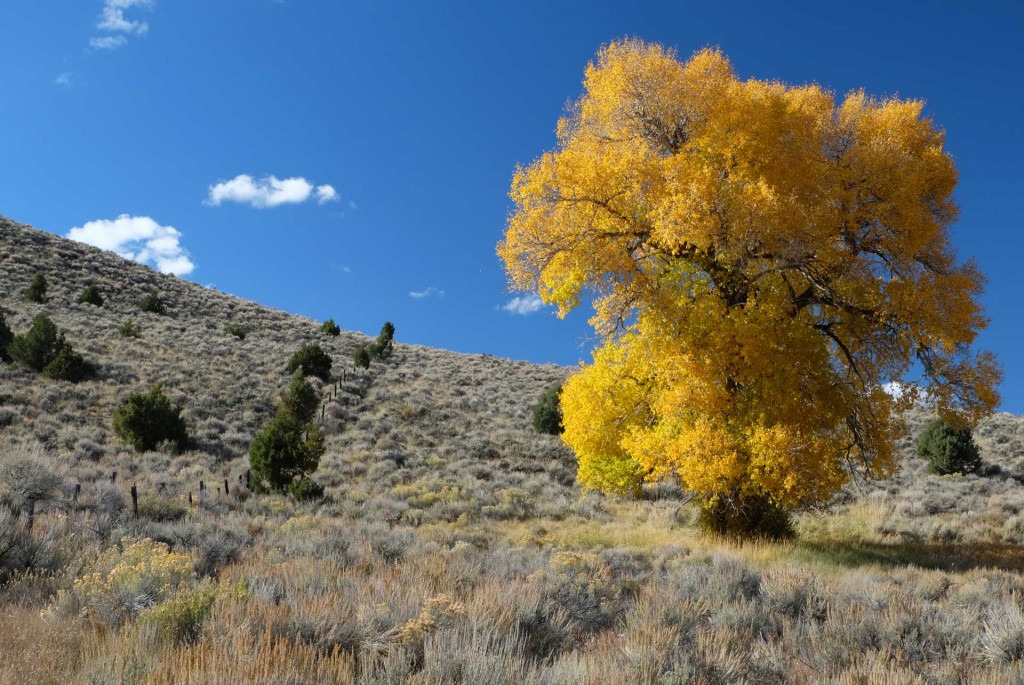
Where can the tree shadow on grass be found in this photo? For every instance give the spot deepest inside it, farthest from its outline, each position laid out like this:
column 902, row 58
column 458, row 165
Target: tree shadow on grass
column 931, row 555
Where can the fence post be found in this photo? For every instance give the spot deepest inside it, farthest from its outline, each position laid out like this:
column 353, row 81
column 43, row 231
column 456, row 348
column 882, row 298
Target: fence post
column 190, row 498
column 226, row 491
column 135, row 501
column 78, row 491
column 113, row 477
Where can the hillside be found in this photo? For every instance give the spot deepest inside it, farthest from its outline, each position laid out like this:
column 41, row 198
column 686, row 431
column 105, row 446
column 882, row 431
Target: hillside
column 453, row 545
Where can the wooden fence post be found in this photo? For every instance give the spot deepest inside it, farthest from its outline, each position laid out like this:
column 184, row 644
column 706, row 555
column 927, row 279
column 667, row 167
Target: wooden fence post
column 78, row 491
column 135, row 501
column 226, row 491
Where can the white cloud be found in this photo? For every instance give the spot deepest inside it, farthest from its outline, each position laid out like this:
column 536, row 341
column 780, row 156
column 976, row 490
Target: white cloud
column 430, row 291
column 326, row 193
column 269, row 191
column 138, row 238
column 67, row 79
column 527, row 304
column 113, row 19
column 107, row 42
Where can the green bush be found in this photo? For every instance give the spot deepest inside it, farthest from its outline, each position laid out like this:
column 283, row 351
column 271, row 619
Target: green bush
column 949, row 449
column 306, row 489
column 146, row 420
column 237, row 330
column 331, row 328
column 547, row 413
column 302, row 399
column 68, row 365
column 153, row 304
column 285, row 449
column 91, row 295
column 129, row 329
column 36, row 291
column 6, row 336
column 44, row 349
column 312, row 361
column 747, row 516
column 179, row 620
column 361, row 358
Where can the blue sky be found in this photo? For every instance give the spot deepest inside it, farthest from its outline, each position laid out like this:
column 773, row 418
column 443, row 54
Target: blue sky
column 352, row 160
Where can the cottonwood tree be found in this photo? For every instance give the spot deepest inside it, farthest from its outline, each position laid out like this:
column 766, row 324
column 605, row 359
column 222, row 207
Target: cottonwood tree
column 763, row 260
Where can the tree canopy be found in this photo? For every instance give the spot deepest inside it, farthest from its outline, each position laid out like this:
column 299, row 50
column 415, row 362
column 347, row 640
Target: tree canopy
column 763, row 260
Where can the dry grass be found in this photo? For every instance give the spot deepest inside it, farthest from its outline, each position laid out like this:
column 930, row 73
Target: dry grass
column 453, row 545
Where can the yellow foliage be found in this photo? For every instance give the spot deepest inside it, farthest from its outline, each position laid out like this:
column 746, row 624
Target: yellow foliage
column 763, row 261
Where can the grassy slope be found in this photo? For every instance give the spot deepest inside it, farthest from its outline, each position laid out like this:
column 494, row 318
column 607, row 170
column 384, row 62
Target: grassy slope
column 454, row 545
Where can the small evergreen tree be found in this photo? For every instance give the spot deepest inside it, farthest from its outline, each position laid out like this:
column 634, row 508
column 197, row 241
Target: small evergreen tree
column 153, row 304
column 91, row 295
column 361, row 358
column 302, row 399
column 145, row 420
column 312, row 361
column 6, row 336
column 44, row 349
column 331, row 328
column 949, row 449
column 547, row 414
column 285, row 449
column 384, row 345
column 36, row 291
column 39, row 346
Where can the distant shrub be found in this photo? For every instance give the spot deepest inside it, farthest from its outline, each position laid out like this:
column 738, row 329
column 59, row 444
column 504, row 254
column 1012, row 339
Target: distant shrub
column 6, row 336
column 237, row 330
column 948, row 448
column 44, row 349
column 160, row 508
column 331, row 328
column 129, row 329
column 750, row 516
column 146, row 420
column 361, row 358
column 547, row 414
column 384, row 345
column 153, row 304
column 312, row 361
column 36, row 291
column 91, row 295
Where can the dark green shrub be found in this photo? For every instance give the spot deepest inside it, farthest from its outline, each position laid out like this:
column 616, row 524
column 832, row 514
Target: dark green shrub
column 129, row 329
column 6, row 336
column 313, row 361
column 91, row 295
column 285, row 449
column 746, row 516
column 949, row 449
column 36, row 291
column 302, row 399
column 237, row 330
column 547, row 413
column 146, row 420
column 306, row 489
column 361, row 358
column 68, row 365
column 39, row 346
column 331, row 328
column 44, row 349
column 153, row 304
